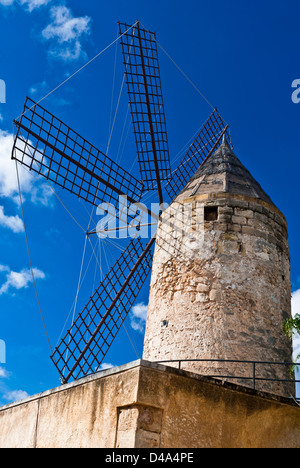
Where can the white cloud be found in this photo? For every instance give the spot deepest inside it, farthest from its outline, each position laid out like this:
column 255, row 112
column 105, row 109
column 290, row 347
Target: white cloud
column 7, row 395
column 4, row 374
column 138, row 317
column 64, row 26
column 296, row 310
column 8, row 181
column 15, row 395
column 38, row 193
column 66, row 33
column 11, row 222
column 18, row 280
column 33, row 4
column 296, row 303
column 39, row 88
column 29, row 4
column 7, row 2
column 105, row 366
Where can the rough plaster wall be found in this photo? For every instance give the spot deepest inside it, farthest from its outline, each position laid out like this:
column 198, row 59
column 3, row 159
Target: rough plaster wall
column 221, row 290
column 201, row 414
column 144, row 405
column 18, row 426
column 80, row 416
column 139, row 426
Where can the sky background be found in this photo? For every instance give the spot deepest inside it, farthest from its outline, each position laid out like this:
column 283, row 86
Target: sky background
column 243, row 56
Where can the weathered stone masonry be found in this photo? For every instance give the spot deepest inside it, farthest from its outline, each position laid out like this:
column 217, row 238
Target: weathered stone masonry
column 220, row 286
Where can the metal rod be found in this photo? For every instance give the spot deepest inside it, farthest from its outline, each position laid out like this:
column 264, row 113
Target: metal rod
column 120, row 228
column 233, row 361
column 216, row 144
column 86, row 170
column 254, row 378
column 80, row 166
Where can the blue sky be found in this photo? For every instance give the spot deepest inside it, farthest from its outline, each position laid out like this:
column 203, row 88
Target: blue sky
column 243, row 56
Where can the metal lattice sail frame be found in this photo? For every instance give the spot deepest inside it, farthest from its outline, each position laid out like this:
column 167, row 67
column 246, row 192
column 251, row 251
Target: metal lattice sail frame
column 142, row 72
column 205, row 144
column 46, row 145
column 86, row 344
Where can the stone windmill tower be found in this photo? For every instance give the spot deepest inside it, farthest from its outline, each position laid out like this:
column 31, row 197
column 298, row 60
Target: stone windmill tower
column 221, row 274
column 220, row 291
column 220, row 286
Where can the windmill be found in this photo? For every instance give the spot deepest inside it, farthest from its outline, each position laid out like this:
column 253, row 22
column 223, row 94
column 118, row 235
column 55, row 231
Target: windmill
column 47, row 146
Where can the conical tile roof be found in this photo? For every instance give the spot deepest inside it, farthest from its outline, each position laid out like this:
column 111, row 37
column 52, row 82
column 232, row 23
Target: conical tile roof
column 223, row 172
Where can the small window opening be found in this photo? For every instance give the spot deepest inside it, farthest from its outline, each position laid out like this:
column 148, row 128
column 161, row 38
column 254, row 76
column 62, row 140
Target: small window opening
column 211, row 213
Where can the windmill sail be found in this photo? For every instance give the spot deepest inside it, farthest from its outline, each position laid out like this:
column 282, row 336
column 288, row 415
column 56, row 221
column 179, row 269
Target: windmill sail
column 207, row 141
column 45, row 145
column 86, row 344
column 146, row 102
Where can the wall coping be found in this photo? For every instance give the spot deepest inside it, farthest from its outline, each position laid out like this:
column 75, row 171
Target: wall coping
column 159, row 367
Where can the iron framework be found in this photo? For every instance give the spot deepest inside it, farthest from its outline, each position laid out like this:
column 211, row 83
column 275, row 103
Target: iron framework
column 254, row 378
column 45, row 145
column 140, row 55
column 48, row 147
column 86, row 344
column 207, row 141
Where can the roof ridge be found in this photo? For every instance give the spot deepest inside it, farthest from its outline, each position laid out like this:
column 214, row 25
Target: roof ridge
column 224, row 172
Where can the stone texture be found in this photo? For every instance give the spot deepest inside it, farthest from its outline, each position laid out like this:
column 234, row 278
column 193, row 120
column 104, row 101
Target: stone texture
column 18, row 426
column 223, row 287
column 139, row 426
column 224, row 172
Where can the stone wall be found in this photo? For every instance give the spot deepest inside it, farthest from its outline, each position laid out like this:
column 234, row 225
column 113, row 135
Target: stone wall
column 221, row 289
column 83, row 414
column 143, row 405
